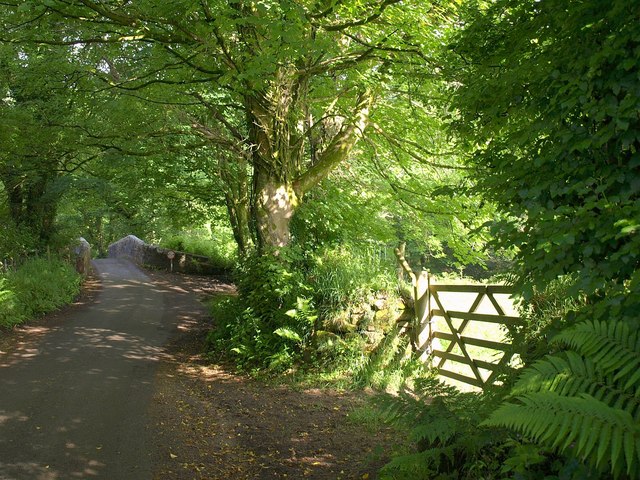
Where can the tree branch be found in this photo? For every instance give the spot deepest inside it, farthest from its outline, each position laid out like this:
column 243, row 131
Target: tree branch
column 338, row 149
column 218, row 116
column 115, row 17
column 357, row 23
column 399, row 144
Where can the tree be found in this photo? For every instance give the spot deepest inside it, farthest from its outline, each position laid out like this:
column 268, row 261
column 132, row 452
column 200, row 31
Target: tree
column 40, row 90
column 547, row 92
column 549, row 95
column 285, row 88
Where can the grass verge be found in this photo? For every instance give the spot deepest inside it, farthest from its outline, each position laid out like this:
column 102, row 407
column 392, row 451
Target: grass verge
column 39, row 286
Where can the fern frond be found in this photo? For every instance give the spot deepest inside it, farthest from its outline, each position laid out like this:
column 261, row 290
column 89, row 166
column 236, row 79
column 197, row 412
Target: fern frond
column 611, row 345
column 570, row 374
column 581, row 425
column 419, row 466
column 407, row 466
column 437, row 432
column 566, row 374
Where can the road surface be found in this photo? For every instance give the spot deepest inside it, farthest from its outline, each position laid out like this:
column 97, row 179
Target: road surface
column 74, row 403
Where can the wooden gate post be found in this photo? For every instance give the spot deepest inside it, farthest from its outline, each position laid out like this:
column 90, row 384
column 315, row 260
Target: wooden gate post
column 422, row 306
column 421, row 326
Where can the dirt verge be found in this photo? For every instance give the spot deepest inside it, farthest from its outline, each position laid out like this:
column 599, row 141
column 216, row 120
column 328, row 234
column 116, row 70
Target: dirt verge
column 214, row 424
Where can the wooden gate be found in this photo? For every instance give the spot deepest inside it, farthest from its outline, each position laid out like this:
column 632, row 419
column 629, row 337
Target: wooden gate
column 444, row 343
column 452, row 332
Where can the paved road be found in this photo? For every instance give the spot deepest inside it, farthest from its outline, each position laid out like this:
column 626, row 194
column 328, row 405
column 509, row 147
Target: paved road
column 74, row 403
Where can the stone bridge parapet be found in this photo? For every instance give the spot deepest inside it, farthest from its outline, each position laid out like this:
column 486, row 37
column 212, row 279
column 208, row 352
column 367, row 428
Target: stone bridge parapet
column 141, row 253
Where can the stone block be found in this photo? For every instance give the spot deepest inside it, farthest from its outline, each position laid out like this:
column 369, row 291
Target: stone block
column 82, row 256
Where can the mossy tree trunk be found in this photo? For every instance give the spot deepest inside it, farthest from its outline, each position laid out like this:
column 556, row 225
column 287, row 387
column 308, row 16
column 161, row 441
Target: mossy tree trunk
column 281, row 177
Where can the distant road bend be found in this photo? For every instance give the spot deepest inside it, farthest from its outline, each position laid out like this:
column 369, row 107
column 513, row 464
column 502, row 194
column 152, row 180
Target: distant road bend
column 74, row 403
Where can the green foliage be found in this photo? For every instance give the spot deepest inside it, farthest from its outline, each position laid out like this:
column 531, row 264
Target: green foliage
column 244, row 79
column 11, row 312
column 37, row 152
column 338, row 355
column 546, row 313
column 390, row 365
column 453, row 440
column 557, row 149
column 557, row 133
column 37, row 287
column 584, row 401
column 15, row 242
column 272, row 320
column 444, row 425
column 277, row 319
column 346, row 275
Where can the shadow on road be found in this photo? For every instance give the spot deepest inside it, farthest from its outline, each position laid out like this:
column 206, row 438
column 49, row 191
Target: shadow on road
column 74, row 397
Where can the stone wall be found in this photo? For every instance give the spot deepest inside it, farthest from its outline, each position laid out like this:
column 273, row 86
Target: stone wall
column 82, row 256
column 171, row 260
column 373, row 320
column 153, row 256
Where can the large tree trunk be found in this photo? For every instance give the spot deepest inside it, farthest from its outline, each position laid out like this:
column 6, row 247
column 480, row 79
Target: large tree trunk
column 278, row 182
column 275, row 164
column 273, row 207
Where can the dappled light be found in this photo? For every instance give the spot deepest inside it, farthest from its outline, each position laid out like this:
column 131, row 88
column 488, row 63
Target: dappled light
column 290, row 146
column 75, row 393
column 262, row 431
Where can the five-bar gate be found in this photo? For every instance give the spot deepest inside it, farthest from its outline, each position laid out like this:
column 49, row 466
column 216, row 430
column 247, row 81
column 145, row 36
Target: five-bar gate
column 450, row 333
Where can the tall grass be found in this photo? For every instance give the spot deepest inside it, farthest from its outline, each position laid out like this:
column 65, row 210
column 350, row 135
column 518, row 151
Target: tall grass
column 37, row 287
column 346, row 275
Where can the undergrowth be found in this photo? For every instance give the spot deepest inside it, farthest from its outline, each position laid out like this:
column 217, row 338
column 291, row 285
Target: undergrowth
column 37, row 287
column 451, row 440
column 274, row 327
column 270, row 322
column 276, row 324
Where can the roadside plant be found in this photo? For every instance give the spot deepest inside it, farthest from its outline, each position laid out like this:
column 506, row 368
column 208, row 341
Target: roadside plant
column 584, row 401
column 39, row 286
column 545, row 314
column 444, row 427
column 10, row 312
column 271, row 321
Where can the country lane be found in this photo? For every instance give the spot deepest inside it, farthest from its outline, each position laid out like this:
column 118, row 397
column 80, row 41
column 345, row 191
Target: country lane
column 74, row 402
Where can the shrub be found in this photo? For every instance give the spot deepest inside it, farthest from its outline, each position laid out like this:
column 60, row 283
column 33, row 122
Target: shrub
column 11, row 311
column 443, row 425
column 276, row 321
column 546, row 313
column 271, row 322
column 452, row 440
column 15, row 242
